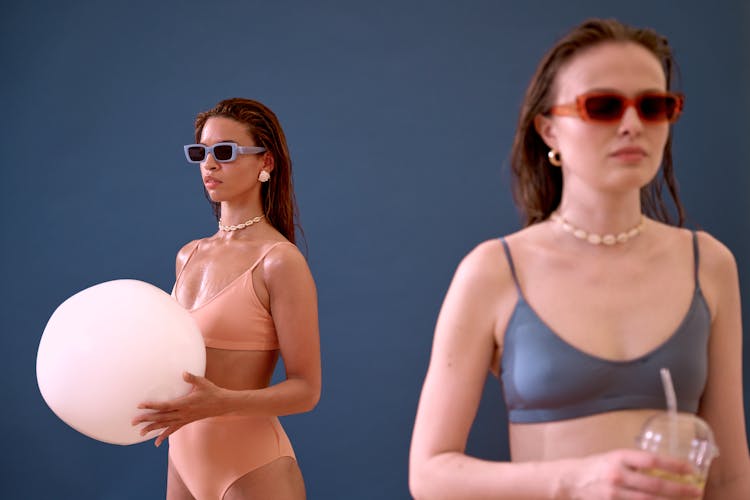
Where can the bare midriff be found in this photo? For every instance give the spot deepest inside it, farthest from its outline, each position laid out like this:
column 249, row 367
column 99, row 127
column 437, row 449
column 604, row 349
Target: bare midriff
column 576, row 437
column 240, row 370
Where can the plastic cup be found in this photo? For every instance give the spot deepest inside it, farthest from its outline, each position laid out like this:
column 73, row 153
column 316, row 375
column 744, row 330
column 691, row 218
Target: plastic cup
column 683, row 436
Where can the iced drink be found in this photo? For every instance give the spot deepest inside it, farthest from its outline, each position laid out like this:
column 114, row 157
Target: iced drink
column 683, row 436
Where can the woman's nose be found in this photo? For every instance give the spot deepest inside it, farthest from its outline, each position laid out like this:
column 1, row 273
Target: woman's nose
column 210, row 162
column 630, row 123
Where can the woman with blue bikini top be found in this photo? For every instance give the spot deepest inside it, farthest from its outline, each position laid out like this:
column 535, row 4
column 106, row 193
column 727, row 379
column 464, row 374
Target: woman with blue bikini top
column 578, row 311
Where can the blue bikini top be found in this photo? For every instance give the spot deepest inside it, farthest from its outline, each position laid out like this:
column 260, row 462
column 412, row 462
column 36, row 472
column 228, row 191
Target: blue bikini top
column 547, row 379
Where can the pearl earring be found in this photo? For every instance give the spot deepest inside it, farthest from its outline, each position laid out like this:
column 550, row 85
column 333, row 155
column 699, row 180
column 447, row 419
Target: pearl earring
column 264, row 176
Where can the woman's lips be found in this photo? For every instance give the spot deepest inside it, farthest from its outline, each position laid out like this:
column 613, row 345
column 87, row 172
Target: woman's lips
column 629, row 154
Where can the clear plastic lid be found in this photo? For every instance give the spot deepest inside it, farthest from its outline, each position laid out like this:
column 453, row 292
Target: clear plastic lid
column 681, row 435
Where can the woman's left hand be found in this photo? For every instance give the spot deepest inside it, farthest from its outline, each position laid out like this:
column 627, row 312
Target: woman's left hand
column 203, row 400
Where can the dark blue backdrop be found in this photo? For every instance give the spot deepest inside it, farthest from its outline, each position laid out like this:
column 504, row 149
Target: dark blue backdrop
column 399, row 115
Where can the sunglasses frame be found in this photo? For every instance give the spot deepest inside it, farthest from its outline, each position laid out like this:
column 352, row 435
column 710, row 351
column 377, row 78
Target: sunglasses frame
column 578, row 108
column 236, row 149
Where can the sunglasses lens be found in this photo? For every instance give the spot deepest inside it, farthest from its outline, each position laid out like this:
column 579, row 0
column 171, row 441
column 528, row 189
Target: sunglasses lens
column 223, row 152
column 196, row 153
column 658, row 108
column 604, row 107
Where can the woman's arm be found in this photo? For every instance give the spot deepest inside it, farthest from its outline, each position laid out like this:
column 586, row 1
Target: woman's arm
column 294, row 308
column 477, row 307
column 480, row 297
column 721, row 405
column 462, row 351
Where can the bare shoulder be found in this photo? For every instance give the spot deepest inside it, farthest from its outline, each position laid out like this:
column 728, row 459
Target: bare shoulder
column 485, row 274
column 284, row 252
column 186, row 250
column 485, row 262
column 715, row 256
column 717, row 273
column 284, row 260
column 475, row 311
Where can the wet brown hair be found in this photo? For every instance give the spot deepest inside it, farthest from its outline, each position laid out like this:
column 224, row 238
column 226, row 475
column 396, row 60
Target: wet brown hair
column 277, row 195
column 537, row 186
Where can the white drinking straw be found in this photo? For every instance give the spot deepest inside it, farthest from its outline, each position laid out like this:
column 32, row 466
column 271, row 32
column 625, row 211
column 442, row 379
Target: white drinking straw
column 666, row 380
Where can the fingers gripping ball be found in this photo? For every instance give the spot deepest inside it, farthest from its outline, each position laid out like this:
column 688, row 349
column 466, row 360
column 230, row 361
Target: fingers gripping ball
column 110, row 347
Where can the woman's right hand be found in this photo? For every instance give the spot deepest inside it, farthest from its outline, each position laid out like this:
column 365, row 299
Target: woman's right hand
column 620, row 474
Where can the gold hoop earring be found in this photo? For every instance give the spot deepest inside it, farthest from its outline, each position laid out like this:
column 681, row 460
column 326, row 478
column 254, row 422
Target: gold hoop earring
column 554, row 157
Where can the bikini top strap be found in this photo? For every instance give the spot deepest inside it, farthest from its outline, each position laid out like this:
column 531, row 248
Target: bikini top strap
column 512, row 267
column 266, row 252
column 696, row 260
column 190, row 256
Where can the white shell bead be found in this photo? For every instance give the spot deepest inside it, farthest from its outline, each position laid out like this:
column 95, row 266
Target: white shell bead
column 609, row 239
column 594, row 239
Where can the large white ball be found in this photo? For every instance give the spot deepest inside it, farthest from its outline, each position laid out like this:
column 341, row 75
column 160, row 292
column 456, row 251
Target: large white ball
column 110, row 347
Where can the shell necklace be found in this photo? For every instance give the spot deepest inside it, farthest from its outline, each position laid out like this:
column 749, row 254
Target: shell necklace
column 598, row 239
column 245, row 224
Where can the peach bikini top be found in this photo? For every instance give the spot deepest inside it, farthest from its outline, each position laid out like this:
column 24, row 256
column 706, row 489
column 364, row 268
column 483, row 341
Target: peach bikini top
column 234, row 318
